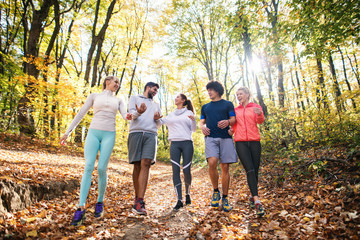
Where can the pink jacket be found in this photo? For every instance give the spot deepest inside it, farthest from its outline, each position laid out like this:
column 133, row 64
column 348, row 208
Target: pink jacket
column 245, row 128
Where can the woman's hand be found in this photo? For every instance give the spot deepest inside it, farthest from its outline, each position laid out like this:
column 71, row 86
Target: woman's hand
column 192, row 117
column 63, row 139
column 231, row 132
column 129, row 116
column 257, row 111
column 157, row 116
column 205, row 130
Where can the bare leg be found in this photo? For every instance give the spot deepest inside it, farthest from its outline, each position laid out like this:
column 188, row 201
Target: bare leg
column 213, row 172
column 225, row 177
column 136, row 172
column 143, row 177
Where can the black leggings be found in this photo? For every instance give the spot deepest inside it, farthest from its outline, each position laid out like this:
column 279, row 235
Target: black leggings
column 249, row 154
column 186, row 148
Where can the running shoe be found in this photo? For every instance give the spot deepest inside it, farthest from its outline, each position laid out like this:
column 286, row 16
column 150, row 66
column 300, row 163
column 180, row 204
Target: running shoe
column 99, row 209
column 251, row 202
column 215, row 199
column 178, row 205
column 139, row 207
column 259, row 209
column 225, row 204
column 188, row 200
column 79, row 217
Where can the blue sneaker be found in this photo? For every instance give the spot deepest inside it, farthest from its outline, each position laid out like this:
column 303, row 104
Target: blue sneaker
column 99, row 209
column 215, row 199
column 225, row 205
column 79, row 217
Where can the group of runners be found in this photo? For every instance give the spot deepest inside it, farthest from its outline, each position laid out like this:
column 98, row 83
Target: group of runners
column 219, row 122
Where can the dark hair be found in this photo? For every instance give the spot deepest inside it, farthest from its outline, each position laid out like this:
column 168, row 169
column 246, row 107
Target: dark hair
column 216, row 86
column 108, row 78
column 187, row 103
column 151, row 84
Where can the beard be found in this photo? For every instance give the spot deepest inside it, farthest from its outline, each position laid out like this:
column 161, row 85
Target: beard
column 150, row 95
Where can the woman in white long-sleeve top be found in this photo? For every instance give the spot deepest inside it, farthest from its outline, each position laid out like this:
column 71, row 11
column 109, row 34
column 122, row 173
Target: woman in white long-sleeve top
column 181, row 124
column 101, row 136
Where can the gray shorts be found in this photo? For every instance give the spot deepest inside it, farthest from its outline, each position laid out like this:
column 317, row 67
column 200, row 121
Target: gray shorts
column 221, row 148
column 142, row 145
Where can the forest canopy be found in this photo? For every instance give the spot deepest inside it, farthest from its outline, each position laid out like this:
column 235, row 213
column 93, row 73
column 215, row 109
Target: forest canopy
column 299, row 58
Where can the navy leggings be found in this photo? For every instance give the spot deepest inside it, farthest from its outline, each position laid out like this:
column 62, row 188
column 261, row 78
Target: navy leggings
column 249, row 154
column 186, row 149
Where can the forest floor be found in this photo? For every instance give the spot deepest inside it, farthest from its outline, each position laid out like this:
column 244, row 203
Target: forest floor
column 318, row 198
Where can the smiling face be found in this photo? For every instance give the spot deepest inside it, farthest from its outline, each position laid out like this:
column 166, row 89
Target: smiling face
column 112, row 84
column 213, row 95
column 152, row 91
column 179, row 101
column 242, row 97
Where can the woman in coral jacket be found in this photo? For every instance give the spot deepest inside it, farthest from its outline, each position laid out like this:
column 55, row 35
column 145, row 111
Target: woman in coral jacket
column 247, row 142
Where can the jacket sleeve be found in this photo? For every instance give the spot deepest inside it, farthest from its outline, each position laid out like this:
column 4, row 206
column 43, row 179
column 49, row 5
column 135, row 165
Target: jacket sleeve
column 122, row 109
column 80, row 115
column 193, row 123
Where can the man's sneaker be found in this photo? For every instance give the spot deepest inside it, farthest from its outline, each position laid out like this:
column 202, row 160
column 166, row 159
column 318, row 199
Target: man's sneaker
column 215, row 199
column 188, row 200
column 139, row 207
column 251, row 202
column 178, row 205
column 99, row 209
column 79, row 217
column 259, row 209
column 225, row 205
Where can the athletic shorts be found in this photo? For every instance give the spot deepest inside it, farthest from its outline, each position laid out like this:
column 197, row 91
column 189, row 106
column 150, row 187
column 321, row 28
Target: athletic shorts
column 221, row 148
column 142, row 145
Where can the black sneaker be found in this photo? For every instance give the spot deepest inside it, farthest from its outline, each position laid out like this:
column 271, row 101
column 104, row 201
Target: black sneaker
column 79, row 217
column 188, row 200
column 179, row 205
column 259, row 209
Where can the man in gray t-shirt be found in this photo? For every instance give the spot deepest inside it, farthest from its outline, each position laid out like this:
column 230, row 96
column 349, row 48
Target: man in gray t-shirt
column 142, row 140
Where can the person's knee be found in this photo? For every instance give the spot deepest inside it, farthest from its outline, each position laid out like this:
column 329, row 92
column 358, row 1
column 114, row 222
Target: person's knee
column 145, row 163
column 224, row 168
column 212, row 163
column 101, row 171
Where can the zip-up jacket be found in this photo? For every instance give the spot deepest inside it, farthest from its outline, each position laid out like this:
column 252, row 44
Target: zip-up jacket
column 245, row 128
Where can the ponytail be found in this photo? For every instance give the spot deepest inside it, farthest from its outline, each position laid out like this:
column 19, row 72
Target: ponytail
column 188, row 104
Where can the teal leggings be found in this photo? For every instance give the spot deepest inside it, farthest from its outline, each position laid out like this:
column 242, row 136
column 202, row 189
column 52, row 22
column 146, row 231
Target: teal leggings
column 96, row 140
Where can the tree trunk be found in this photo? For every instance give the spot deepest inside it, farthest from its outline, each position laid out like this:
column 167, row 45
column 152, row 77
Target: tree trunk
column 320, row 90
column 345, row 76
column 25, row 118
column 96, row 38
column 298, row 83
column 336, row 88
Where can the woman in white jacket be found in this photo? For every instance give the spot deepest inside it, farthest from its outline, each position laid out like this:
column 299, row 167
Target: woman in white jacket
column 181, row 124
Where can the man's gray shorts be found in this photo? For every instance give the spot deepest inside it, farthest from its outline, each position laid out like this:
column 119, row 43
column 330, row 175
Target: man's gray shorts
column 142, row 145
column 221, row 148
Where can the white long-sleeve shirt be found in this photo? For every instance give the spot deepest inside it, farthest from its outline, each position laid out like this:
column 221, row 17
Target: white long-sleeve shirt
column 105, row 106
column 180, row 125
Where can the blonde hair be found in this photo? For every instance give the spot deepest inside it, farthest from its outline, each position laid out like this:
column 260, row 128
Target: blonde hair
column 109, row 78
column 245, row 90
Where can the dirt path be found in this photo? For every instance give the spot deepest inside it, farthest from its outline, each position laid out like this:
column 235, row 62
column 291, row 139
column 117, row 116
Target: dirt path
column 307, row 209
